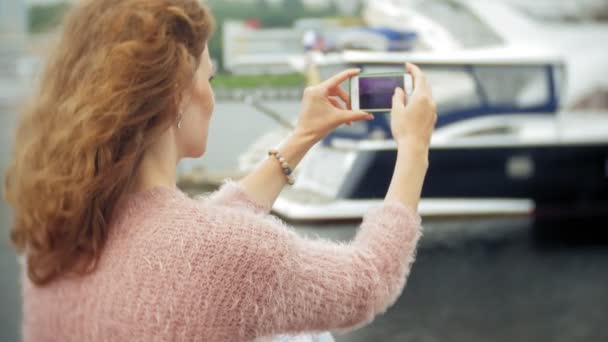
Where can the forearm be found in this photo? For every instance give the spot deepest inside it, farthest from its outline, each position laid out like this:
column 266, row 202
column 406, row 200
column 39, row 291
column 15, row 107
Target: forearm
column 316, row 284
column 264, row 184
column 408, row 176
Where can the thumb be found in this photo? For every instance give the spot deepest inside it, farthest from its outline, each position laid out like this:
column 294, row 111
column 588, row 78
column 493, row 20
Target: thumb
column 398, row 98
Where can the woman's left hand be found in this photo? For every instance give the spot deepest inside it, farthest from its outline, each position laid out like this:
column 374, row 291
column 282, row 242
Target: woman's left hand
column 322, row 112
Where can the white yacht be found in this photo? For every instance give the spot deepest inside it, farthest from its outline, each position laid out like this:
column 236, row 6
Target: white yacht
column 503, row 145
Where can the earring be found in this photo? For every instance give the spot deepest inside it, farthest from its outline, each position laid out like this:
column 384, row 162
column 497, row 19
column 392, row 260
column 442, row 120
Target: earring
column 179, row 122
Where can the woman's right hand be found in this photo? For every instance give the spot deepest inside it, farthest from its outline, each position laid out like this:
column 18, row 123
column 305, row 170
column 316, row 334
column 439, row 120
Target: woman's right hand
column 412, row 123
column 322, row 112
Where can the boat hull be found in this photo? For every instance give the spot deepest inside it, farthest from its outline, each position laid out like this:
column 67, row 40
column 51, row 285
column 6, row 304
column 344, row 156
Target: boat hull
column 549, row 175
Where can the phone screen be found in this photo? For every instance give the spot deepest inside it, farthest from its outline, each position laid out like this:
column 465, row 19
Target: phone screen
column 377, row 92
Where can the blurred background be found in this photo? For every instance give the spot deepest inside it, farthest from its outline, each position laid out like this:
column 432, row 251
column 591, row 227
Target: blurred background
column 516, row 198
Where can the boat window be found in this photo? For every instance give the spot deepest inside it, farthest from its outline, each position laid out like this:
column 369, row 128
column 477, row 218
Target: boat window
column 453, row 86
column 514, row 86
column 496, row 88
column 465, row 26
column 462, row 92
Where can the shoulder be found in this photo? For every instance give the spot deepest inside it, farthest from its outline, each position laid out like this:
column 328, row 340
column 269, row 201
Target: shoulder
column 215, row 244
column 176, row 216
column 164, row 217
column 234, row 222
column 175, row 227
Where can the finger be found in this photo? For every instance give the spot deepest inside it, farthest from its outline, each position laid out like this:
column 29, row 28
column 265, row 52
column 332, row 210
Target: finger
column 337, row 79
column 334, row 101
column 417, row 75
column 347, row 116
column 338, row 91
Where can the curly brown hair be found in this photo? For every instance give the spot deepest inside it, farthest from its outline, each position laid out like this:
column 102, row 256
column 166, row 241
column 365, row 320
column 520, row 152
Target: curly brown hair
column 110, row 89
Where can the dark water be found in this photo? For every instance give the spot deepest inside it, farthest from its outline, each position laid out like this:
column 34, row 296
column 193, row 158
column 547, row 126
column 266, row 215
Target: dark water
column 500, row 280
column 474, row 280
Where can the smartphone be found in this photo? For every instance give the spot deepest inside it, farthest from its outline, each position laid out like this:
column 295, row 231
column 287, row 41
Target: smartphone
column 374, row 92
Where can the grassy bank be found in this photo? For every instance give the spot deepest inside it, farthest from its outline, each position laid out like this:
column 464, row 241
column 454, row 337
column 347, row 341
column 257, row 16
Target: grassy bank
column 229, row 81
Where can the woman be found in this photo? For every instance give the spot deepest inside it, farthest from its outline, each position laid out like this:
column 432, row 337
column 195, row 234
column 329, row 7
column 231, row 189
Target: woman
column 115, row 252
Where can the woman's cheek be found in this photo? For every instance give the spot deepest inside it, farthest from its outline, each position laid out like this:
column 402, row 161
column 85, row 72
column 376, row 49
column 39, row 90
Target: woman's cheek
column 210, row 99
column 205, row 98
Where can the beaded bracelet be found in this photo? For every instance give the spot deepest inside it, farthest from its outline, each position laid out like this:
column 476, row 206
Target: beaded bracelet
column 287, row 171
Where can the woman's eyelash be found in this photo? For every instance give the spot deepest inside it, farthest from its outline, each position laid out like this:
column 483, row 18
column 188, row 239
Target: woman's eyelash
column 211, row 78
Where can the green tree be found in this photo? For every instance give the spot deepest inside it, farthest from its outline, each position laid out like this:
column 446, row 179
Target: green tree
column 262, row 6
column 293, row 8
column 42, row 18
column 333, row 8
column 360, row 8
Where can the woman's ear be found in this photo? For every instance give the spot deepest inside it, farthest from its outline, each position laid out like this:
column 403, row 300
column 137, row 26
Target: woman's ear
column 182, row 99
column 180, row 103
column 178, row 108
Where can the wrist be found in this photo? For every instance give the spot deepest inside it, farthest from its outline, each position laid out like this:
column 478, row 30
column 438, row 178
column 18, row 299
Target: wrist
column 295, row 147
column 303, row 138
column 414, row 150
column 413, row 146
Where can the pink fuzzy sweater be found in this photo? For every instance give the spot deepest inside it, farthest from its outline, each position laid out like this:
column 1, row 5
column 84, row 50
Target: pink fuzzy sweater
column 219, row 268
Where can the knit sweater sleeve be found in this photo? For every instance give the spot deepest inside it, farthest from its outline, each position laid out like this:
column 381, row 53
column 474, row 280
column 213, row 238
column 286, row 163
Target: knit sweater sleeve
column 232, row 194
column 294, row 284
